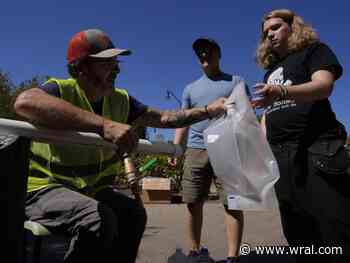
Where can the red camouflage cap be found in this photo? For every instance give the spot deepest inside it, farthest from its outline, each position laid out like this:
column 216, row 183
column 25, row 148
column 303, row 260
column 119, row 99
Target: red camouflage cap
column 92, row 43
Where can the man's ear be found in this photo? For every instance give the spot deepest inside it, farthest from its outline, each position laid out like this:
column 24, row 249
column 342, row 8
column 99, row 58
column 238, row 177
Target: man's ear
column 77, row 69
column 83, row 68
column 73, row 70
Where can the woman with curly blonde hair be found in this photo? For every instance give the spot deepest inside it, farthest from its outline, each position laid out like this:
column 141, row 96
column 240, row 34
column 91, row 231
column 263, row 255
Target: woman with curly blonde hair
column 304, row 134
column 302, row 35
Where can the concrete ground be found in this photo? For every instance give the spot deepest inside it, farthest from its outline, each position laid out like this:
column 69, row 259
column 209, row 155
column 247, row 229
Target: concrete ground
column 164, row 240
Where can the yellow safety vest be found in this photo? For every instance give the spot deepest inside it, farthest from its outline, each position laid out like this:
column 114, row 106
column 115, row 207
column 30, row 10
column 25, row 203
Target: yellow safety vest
column 76, row 166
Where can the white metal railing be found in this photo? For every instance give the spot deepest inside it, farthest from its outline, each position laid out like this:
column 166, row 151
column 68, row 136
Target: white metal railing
column 25, row 129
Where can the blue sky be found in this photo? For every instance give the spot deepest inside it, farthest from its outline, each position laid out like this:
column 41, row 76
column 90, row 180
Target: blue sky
column 160, row 33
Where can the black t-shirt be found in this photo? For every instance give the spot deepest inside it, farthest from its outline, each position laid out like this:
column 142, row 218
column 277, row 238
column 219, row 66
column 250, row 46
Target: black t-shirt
column 290, row 121
column 136, row 108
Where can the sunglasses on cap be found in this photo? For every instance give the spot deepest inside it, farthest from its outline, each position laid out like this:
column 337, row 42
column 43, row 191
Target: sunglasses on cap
column 204, row 52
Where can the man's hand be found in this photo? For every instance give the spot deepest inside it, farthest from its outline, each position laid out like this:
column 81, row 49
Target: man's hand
column 120, row 134
column 217, row 107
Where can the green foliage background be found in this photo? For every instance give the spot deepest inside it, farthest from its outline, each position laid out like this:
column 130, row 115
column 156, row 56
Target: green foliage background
column 9, row 92
column 162, row 170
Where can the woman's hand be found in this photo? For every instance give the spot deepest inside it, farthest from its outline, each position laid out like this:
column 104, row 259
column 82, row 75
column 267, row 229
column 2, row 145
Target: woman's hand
column 266, row 94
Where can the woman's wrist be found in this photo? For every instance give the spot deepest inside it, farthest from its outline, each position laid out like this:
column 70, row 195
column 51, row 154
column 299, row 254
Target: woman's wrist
column 283, row 92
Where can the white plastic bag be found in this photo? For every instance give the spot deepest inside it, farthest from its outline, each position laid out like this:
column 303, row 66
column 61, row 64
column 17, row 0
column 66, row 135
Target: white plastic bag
column 241, row 156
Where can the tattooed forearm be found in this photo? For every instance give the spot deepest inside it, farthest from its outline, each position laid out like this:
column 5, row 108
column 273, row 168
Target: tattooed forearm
column 181, row 118
column 171, row 119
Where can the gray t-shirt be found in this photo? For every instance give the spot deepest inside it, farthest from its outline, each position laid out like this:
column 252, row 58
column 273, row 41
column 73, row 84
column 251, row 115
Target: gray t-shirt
column 200, row 93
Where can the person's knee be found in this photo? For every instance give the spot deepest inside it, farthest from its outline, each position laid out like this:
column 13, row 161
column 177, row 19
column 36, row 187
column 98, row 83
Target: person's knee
column 237, row 214
column 96, row 228
column 93, row 217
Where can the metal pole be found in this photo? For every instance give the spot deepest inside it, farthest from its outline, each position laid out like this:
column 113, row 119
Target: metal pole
column 25, row 129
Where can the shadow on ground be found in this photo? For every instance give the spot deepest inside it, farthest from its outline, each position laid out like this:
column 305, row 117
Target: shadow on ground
column 152, row 230
column 180, row 257
column 177, row 257
column 254, row 258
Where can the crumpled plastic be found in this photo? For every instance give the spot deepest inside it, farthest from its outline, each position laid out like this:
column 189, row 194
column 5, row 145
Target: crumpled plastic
column 241, row 156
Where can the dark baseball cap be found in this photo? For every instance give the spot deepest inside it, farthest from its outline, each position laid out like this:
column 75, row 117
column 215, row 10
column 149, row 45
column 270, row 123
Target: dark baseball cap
column 201, row 43
column 92, row 43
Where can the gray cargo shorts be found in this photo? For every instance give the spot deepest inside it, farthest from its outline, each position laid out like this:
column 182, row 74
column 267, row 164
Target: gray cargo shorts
column 197, row 177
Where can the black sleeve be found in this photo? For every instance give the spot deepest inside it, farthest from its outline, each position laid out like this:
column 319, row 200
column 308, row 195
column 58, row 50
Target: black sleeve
column 51, row 88
column 136, row 109
column 321, row 57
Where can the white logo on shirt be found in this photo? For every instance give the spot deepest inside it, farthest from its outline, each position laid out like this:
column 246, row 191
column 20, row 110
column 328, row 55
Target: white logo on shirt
column 277, row 78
